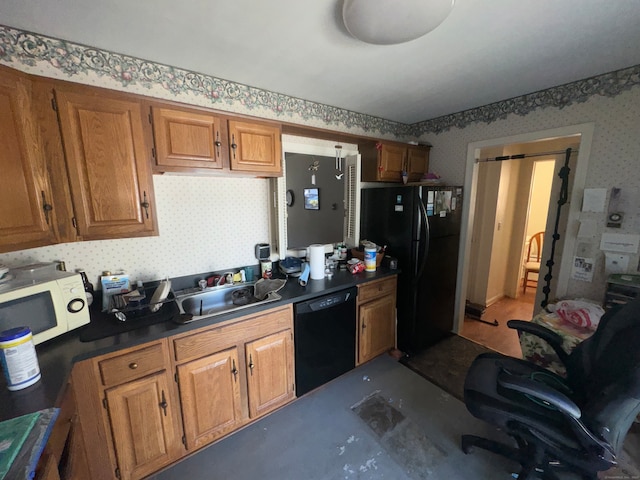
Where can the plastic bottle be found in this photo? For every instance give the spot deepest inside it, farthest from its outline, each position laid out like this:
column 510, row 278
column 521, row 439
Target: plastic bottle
column 18, row 358
column 370, row 258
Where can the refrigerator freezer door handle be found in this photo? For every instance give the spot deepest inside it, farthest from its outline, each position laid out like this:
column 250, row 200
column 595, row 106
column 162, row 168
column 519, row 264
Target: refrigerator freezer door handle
column 425, row 246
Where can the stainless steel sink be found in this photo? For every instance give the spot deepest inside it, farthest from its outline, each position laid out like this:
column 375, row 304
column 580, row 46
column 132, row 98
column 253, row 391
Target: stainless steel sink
column 218, row 300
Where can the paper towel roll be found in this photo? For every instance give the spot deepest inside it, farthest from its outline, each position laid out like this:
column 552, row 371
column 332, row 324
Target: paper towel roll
column 316, row 261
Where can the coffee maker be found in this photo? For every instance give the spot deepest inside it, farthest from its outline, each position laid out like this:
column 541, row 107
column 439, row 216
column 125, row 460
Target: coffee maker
column 263, row 254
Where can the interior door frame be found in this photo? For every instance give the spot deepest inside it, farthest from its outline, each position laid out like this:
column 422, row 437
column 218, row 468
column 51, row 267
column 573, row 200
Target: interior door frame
column 585, row 130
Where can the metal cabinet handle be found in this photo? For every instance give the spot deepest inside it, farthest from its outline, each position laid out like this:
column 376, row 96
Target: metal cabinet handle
column 234, row 370
column 133, row 366
column 145, row 204
column 46, row 207
column 234, row 146
column 218, row 144
column 251, row 365
column 163, row 404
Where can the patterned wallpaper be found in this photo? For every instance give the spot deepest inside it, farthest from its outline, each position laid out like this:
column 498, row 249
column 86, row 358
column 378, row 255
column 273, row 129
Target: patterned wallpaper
column 50, row 57
column 56, row 58
column 614, row 162
column 206, row 224
column 197, row 237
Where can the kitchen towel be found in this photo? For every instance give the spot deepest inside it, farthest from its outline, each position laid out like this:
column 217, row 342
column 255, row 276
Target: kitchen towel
column 304, row 276
column 265, row 286
column 316, row 260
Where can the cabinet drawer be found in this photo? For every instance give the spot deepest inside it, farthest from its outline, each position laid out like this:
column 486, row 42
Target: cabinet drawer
column 129, row 366
column 212, row 340
column 376, row 289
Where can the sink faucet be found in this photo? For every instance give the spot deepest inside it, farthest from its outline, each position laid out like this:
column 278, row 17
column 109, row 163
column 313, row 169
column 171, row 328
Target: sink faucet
column 202, row 284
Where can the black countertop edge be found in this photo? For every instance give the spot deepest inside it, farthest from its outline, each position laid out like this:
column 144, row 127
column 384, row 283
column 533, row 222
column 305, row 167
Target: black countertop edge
column 56, row 357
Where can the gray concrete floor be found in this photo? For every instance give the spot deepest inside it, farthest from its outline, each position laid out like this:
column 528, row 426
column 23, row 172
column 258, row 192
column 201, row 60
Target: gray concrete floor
column 379, row 421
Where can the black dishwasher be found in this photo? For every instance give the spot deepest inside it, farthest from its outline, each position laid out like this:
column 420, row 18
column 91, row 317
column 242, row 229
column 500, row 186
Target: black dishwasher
column 325, row 338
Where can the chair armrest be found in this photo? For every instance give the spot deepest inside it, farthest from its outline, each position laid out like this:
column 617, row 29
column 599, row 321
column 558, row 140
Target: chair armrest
column 541, row 392
column 549, row 336
column 550, row 396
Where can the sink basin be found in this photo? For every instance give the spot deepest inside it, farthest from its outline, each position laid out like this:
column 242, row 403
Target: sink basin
column 218, row 300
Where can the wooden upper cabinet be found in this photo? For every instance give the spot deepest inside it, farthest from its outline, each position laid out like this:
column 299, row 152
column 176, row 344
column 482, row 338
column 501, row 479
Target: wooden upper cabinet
column 417, row 162
column 26, row 215
column 188, row 139
column 107, row 162
column 255, row 147
column 391, row 163
column 385, row 161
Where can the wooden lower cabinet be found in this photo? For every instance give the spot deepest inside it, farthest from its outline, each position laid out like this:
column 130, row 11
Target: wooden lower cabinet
column 211, row 397
column 376, row 318
column 270, row 372
column 129, row 412
column 64, row 454
column 145, row 407
column 232, row 374
column 143, row 425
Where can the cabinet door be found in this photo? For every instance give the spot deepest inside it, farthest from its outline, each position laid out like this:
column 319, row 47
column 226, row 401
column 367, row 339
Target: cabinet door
column 255, row 147
column 187, row 139
column 25, row 197
column 210, row 397
column 144, row 425
column 391, row 163
column 417, row 162
column 269, row 372
column 377, row 320
column 65, row 446
column 108, row 164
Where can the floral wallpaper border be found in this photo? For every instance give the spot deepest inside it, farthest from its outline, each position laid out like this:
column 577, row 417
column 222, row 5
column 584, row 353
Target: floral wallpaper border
column 69, row 59
column 73, row 60
column 607, row 85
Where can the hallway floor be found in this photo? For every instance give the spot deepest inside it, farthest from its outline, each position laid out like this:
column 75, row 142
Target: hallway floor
column 501, row 338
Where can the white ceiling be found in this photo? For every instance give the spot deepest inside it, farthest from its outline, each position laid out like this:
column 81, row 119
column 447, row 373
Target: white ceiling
column 484, row 52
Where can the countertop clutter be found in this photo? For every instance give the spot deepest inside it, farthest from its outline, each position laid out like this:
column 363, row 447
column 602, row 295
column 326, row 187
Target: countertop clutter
column 56, row 357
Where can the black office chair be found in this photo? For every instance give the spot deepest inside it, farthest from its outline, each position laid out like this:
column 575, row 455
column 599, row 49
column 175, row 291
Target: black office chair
column 577, row 423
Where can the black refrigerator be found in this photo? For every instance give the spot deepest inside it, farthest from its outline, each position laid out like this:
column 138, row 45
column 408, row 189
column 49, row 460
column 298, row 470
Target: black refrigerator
column 420, row 225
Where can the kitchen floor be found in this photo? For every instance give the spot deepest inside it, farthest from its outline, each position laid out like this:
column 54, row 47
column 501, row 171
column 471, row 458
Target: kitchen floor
column 379, row 421
column 501, row 338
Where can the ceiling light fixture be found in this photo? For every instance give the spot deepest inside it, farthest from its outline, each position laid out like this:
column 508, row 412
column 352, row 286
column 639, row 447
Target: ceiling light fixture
column 387, row 22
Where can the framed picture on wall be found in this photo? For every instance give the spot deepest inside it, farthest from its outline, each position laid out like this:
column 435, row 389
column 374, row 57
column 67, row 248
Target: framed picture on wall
column 311, row 199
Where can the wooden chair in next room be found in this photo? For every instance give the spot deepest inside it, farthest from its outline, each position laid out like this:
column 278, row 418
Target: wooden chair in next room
column 532, row 260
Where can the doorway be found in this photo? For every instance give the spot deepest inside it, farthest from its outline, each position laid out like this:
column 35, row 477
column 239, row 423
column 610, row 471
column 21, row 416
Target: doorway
column 507, row 200
column 513, row 205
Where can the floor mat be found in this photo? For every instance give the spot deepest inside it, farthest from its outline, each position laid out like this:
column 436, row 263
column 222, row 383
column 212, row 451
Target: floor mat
column 446, row 363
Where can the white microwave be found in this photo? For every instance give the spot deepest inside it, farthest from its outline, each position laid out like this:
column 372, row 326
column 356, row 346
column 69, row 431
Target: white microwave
column 50, row 303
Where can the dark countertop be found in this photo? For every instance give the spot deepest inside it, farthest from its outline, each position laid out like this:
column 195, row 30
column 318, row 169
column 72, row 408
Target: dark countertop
column 56, row 357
